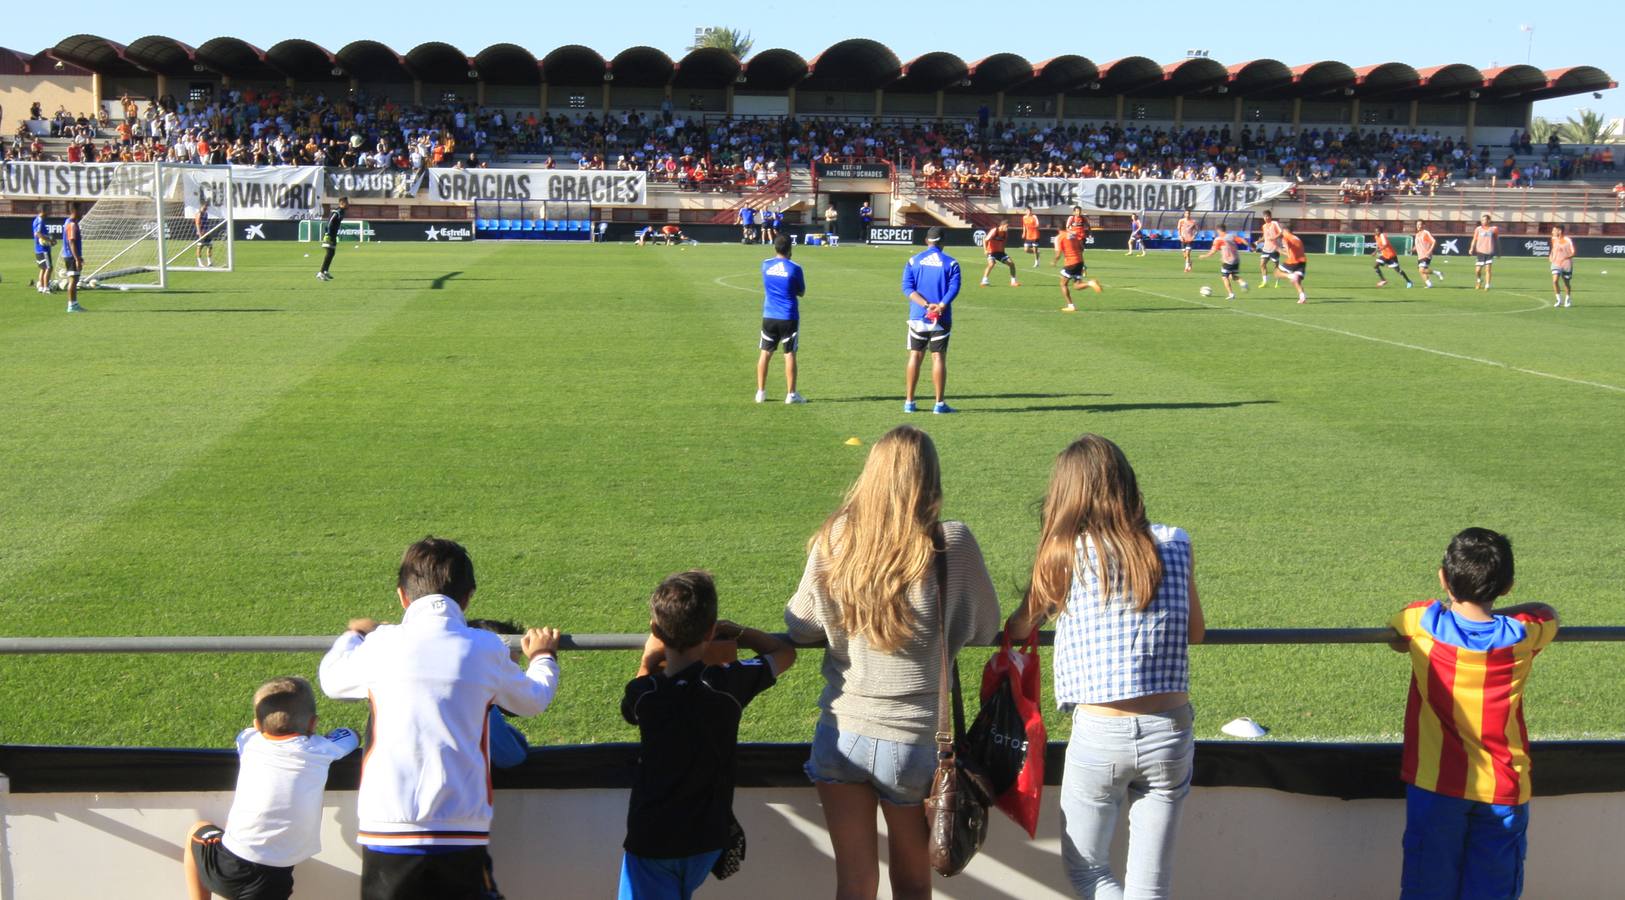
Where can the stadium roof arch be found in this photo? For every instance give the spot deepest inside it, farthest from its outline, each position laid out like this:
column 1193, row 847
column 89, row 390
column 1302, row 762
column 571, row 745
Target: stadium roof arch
column 932, row 72
column 304, row 61
column 641, row 67
column 575, row 65
column 855, row 64
column 774, row 70
column 708, row 67
column 236, row 58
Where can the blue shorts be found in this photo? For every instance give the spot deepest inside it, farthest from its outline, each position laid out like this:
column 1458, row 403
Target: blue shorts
column 900, row 772
column 1462, row 848
column 648, row 878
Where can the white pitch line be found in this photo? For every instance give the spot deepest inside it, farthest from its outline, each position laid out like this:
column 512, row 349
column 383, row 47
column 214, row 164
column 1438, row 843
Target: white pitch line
column 1377, row 340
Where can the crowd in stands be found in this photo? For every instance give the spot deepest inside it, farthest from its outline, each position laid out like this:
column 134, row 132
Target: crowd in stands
column 893, row 593
column 287, row 127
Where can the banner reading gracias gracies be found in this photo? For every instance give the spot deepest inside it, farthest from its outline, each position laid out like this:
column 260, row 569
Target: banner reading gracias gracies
column 297, row 192
column 1059, row 195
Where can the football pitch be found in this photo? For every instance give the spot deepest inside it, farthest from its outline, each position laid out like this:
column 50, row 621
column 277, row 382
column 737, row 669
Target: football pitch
column 249, row 453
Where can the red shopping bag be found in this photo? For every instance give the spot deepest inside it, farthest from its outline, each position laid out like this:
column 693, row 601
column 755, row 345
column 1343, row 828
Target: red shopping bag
column 1008, row 737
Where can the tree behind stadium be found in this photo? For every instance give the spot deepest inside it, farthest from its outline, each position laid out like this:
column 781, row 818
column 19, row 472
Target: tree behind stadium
column 732, row 40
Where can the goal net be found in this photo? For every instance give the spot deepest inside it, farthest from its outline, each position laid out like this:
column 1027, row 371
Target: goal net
column 151, row 219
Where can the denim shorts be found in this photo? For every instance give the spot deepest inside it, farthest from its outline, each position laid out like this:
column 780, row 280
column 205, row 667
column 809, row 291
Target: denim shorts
column 900, row 772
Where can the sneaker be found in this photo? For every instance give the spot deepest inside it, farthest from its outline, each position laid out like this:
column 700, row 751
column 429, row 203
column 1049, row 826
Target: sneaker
column 943, row 409
column 1302, row 299
column 1567, row 302
column 321, row 276
column 1427, row 284
column 1439, row 275
column 761, row 396
column 1015, row 283
column 793, row 398
column 1559, row 302
column 1229, row 296
column 1035, row 263
column 1409, row 285
column 1069, row 308
column 1187, row 268
column 1383, row 283
column 908, row 406
column 984, row 282
column 74, row 307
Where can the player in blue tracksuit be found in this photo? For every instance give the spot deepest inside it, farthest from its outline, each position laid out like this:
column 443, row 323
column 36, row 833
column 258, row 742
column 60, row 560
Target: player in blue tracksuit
column 747, row 225
column 42, row 252
column 783, row 285
column 930, row 282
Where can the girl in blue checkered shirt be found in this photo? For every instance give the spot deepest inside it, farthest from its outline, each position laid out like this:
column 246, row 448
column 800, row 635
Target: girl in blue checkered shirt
column 1123, row 595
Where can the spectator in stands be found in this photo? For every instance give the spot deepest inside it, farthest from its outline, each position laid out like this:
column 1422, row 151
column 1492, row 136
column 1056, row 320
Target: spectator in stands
column 680, row 819
column 873, row 589
column 275, row 818
column 424, row 804
column 1467, row 774
column 1123, row 592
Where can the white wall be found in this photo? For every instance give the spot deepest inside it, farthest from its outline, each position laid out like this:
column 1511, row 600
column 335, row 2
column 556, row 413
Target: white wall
column 1234, row 843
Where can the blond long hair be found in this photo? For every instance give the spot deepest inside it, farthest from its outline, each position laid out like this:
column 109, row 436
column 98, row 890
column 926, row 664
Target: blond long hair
column 1093, row 492
column 879, row 542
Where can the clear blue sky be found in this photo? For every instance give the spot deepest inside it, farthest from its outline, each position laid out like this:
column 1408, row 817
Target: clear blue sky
column 1480, row 32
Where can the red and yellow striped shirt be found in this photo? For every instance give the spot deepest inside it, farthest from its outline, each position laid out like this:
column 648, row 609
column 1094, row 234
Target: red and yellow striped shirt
column 1464, row 730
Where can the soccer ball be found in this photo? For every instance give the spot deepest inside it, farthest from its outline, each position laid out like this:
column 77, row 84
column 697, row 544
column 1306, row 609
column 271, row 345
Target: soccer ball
column 1242, row 285
column 92, row 283
column 1205, row 291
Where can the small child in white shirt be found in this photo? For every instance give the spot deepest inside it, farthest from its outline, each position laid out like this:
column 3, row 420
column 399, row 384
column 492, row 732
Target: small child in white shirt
column 275, row 816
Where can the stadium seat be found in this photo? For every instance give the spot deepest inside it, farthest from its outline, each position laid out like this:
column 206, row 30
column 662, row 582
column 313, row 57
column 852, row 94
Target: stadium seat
column 582, row 225
column 510, row 224
column 550, row 225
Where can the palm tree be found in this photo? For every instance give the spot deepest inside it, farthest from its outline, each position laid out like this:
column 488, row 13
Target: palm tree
column 1589, row 128
column 1540, row 129
column 732, row 40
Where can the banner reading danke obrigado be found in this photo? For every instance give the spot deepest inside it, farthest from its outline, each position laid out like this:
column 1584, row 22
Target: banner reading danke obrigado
column 598, row 187
column 1059, row 195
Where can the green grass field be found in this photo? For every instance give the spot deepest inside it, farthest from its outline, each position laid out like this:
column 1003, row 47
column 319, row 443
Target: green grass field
column 249, row 453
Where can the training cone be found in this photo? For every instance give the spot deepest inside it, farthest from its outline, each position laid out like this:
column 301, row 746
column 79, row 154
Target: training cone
column 853, row 442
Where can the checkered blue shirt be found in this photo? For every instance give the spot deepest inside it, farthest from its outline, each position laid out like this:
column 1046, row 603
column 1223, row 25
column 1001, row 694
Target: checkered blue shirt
column 1107, row 650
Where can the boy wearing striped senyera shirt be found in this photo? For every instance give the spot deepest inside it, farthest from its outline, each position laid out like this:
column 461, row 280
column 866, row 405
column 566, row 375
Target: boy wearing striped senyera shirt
column 1466, row 760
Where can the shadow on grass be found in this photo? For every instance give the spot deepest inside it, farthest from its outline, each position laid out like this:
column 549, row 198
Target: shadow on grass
column 1118, row 407
column 1314, row 300
column 962, row 397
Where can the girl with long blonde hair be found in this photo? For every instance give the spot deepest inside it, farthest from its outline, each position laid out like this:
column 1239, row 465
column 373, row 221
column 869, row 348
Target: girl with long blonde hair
column 870, row 590
column 1123, row 594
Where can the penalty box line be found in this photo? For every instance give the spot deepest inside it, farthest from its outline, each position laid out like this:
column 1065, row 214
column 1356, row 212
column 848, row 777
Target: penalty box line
column 1377, row 340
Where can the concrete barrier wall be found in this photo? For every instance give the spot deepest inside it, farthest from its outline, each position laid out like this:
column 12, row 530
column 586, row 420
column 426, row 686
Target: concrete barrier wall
column 1234, row 843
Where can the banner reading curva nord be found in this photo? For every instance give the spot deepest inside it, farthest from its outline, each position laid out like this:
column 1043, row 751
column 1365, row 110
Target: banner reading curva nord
column 609, row 187
column 1059, row 195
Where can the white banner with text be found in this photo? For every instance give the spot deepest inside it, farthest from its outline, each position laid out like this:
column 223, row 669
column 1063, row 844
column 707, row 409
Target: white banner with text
column 1059, row 195
column 610, row 187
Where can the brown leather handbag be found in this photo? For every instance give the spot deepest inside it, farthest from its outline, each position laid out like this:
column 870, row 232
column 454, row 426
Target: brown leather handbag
column 957, row 807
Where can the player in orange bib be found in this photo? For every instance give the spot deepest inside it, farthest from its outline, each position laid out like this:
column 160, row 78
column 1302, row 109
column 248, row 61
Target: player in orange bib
column 1387, row 257
column 1077, row 225
column 1269, row 250
column 1423, row 247
column 1485, row 237
column 1226, row 245
column 1294, row 261
column 1029, row 235
column 1187, row 237
column 993, row 246
column 1069, row 248
column 1562, row 259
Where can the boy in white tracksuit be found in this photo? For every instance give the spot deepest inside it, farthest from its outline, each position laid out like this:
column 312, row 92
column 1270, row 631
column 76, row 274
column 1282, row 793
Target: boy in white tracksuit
column 425, row 799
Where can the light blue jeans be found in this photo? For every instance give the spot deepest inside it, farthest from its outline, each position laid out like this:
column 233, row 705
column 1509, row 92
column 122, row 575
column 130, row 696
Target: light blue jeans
column 1110, row 761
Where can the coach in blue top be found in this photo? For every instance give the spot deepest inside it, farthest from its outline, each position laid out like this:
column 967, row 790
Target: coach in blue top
column 782, row 287
column 930, row 282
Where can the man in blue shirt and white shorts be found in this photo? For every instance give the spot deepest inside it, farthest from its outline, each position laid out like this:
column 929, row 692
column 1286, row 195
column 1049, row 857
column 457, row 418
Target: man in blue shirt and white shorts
column 783, row 284
column 42, row 252
column 930, row 282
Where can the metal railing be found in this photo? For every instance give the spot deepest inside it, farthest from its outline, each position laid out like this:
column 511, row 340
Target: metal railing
column 320, row 643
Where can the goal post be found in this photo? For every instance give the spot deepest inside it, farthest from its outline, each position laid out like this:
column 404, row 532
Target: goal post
column 144, row 224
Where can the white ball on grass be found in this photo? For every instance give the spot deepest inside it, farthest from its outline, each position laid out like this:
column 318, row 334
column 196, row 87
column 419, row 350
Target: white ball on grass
column 1205, row 291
